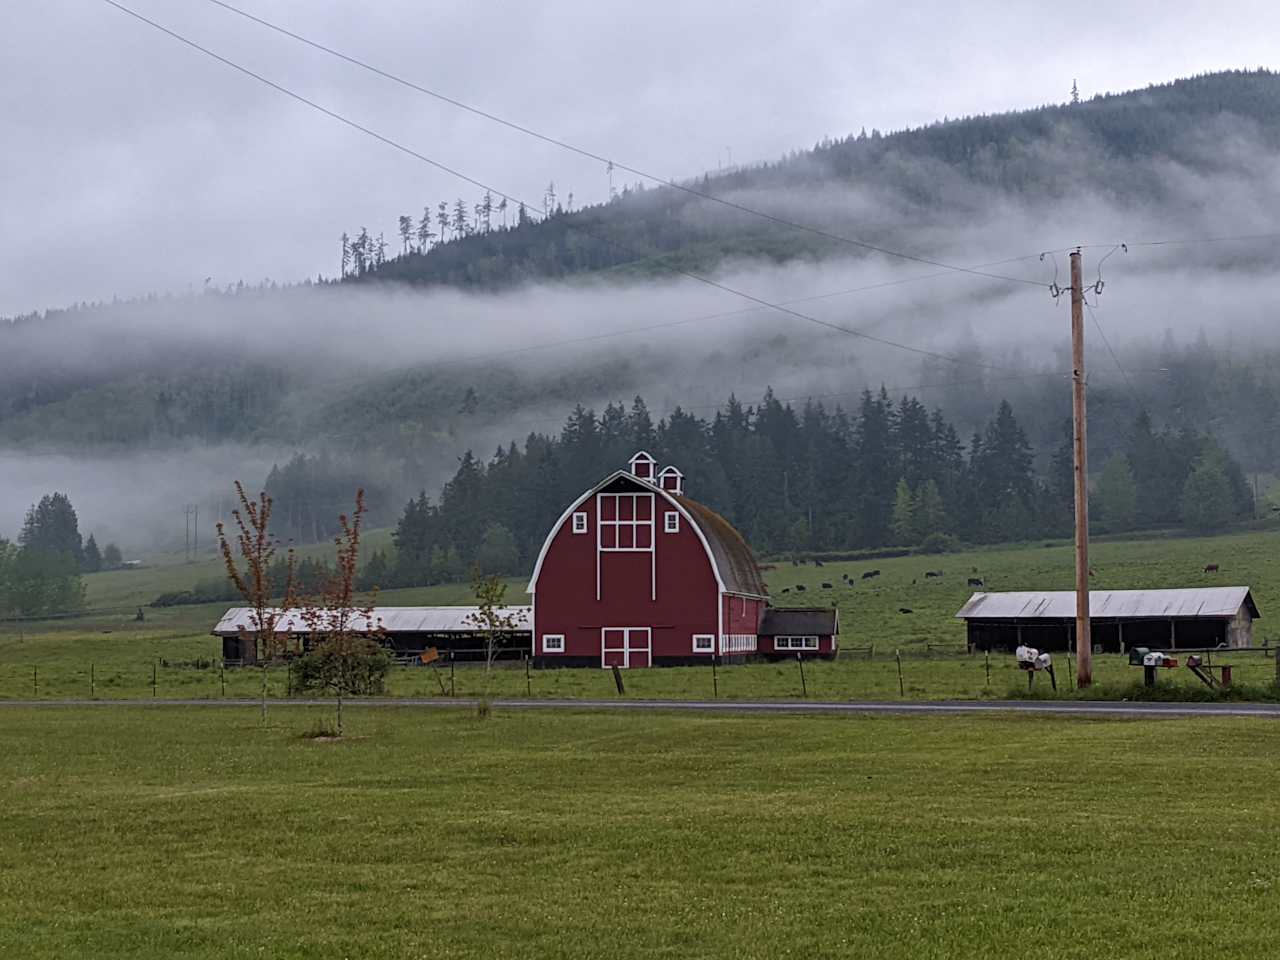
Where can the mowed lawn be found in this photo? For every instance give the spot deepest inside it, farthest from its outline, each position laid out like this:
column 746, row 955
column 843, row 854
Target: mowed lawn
column 135, row 832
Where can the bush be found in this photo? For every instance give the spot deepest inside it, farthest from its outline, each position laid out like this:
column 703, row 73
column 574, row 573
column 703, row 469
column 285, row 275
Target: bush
column 355, row 674
column 205, row 591
column 939, row 543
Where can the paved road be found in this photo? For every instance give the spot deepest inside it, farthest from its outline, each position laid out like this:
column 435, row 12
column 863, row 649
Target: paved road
column 1070, row 708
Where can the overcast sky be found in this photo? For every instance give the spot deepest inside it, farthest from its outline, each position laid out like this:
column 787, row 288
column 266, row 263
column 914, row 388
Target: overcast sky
column 131, row 163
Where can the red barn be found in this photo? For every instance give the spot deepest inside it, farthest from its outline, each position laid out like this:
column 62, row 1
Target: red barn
column 635, row 573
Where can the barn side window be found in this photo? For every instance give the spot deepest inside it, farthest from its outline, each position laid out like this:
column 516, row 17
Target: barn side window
column 703, row 643
column 795, row 643
column 580, row 522
column 553, row 643
column 671, row 522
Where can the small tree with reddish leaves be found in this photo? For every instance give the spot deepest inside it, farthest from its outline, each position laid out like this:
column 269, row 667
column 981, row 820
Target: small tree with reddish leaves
column 492, row 620
column 345, row 656
column 256, row 547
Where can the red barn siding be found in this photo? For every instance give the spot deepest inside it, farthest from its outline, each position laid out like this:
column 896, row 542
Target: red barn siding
column 679, row 603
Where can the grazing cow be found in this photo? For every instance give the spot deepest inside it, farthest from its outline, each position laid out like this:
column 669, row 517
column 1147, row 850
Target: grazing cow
column 799, row 588
column 905, row 610
column 871, row 574
column 786, row 589
column 803, row 561
column 976, row 582
column 817, row 563
column 826, row 586
column 795, row 563
column 1210, row 568
column 932, row 574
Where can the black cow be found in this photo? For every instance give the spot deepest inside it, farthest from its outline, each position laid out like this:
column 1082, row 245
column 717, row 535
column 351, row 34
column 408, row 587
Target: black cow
column 826, row 586
column 932, row 574
column 905, row 610
column 786, row 589
column 870, row 574
column 799, row 588
column 976, row 582
column 817, row 563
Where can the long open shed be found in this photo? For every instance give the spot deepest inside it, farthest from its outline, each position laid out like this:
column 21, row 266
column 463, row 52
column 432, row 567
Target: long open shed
column 407, row 630
column 1121, row 619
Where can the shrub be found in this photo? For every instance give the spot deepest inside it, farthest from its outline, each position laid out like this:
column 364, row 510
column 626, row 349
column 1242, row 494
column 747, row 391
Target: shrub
column 351, row 674
column 939, row 543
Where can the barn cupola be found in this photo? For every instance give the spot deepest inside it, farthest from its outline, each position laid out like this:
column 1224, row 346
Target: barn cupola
column 643, row 466
column 671, row 480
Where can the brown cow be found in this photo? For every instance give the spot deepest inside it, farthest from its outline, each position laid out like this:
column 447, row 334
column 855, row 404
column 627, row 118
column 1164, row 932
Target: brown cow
column 1210, row 568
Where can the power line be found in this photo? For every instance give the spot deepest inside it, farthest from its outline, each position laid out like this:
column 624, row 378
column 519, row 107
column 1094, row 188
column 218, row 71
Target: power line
column 715, row 284
column 581, row 151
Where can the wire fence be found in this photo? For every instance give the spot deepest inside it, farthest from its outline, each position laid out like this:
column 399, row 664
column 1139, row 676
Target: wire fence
column 871, row 672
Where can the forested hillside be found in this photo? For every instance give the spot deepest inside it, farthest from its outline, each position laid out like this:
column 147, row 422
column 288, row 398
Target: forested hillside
column 479, row 323
column 1114, row 145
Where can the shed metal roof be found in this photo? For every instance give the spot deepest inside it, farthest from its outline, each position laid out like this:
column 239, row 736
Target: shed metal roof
column 1111, row 604
column 393, row 620
column 800, row 621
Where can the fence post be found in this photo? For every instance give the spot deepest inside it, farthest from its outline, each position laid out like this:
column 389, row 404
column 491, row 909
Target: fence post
column 35, row 680
column 222, row 678
column 1071, row 674
column 897, row 654
column 153, row 678
column 452, row 689
column 93, row 684
column 988, row 661
column 528, row 680
column 715, row 681
column 804, row 689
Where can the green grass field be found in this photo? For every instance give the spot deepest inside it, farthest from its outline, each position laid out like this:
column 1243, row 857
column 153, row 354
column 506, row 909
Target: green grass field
column 56, row 658
column 196, row 833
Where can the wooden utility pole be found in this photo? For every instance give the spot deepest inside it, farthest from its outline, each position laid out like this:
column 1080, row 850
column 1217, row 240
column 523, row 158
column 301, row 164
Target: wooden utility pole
column 1084, row 635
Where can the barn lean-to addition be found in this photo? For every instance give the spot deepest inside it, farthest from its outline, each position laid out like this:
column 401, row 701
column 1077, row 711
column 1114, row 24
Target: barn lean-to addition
column 635, row 573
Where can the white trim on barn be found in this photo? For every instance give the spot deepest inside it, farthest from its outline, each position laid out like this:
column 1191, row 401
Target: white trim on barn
column 546, row 544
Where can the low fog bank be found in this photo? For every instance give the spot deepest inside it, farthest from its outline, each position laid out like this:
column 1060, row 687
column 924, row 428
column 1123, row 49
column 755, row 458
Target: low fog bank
column 430, row 372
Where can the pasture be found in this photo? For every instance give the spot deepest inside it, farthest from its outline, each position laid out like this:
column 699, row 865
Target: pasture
column 154, row 833
column 108, row 655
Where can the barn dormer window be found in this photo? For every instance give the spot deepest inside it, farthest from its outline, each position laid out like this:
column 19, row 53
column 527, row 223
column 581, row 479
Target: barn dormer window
column 642, row 466
column 580, row 522
column 671, row 480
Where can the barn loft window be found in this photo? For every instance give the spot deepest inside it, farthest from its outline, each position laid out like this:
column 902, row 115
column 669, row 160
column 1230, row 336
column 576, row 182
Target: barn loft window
column 795, row 643
column 671, row 522
column 553, row 643
column 703, row 643
column 626, row 521
column 580, row 522
column 671, row 480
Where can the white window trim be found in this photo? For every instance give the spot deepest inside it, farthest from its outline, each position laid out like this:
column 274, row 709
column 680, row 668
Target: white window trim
column 553, row 643
column 795, row 643
column 671, row 522
column 704, row 643
column 580, row 522
column 619, row 524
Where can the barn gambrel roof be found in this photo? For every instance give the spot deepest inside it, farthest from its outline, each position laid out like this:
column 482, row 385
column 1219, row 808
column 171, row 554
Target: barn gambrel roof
column 731, row 558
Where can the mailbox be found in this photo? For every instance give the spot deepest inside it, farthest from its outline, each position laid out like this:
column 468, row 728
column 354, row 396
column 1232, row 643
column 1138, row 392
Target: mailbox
column 1136, row 655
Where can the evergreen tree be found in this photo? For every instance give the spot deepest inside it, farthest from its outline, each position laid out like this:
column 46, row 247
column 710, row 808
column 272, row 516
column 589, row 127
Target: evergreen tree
column 112, row 559
column 51, row 527
column 1206, row 499
column 903, row 523
column 92, row 556
column 497, row 553
column 930, row 511
column 1116, row 495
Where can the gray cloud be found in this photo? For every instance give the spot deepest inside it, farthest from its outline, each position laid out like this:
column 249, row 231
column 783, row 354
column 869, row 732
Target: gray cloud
column 133, row 164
